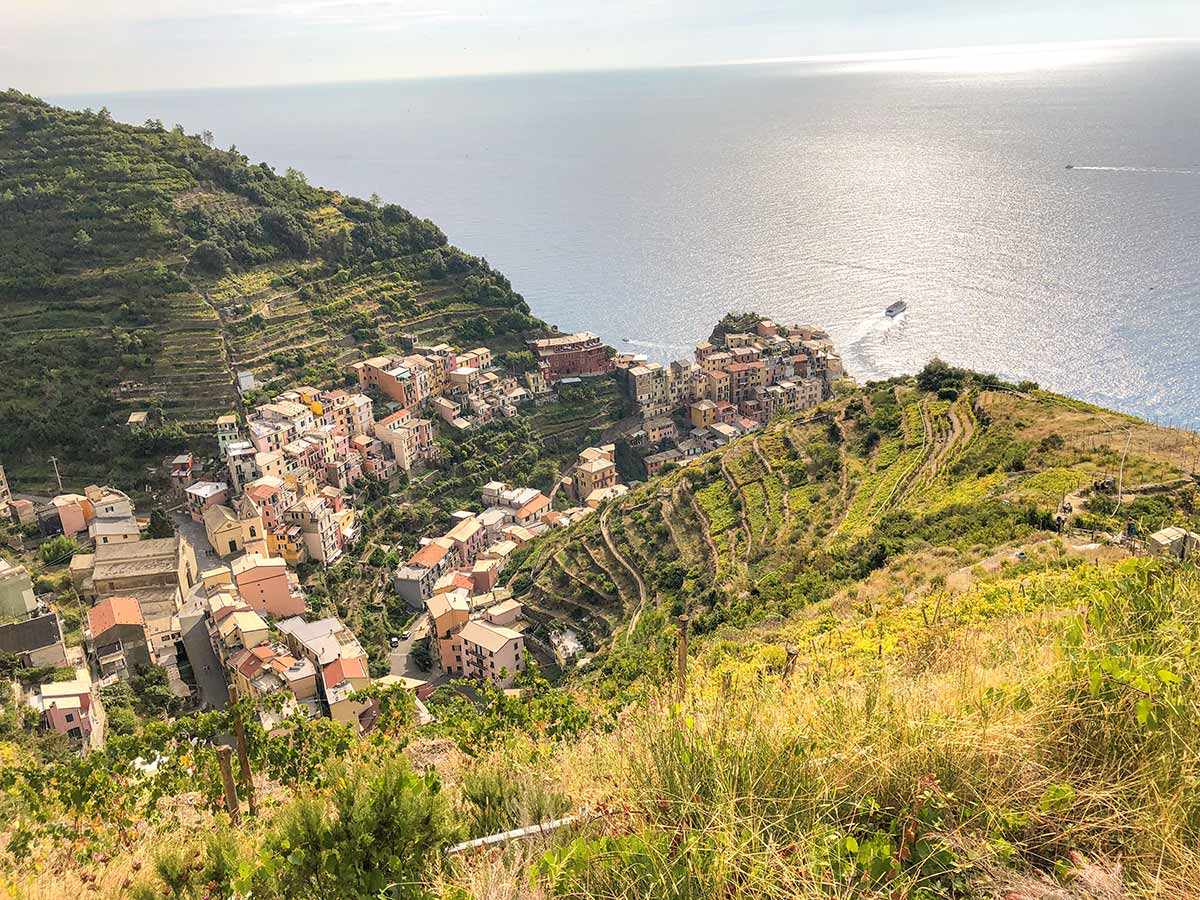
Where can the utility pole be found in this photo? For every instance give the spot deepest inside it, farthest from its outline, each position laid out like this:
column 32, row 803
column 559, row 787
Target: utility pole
column 57, row 475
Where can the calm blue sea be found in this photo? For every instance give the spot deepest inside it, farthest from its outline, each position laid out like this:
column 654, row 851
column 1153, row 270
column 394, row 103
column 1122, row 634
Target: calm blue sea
column 643, row 205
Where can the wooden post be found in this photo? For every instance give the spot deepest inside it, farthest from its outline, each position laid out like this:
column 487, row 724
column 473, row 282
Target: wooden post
column 239, row 732
column 244, row 764
column 793, row 652
column 224, row 757
column 681, row 665
column 726, row 685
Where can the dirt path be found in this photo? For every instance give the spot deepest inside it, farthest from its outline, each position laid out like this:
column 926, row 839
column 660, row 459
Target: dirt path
column 594, row 557
column 673, row 504
column 941, row 449
column 643, row 594
column 766, row 464
column 908, row 478
column 733, row 486
column 705, row 532
column 963, row 579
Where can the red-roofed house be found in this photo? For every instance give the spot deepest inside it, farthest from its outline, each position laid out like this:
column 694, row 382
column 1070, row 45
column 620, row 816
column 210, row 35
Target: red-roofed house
column 531, row 512
column 116, row 636
column 415, row 580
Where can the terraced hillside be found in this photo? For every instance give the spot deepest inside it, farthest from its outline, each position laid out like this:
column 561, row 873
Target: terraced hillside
column 140, row 268
column 817, row 502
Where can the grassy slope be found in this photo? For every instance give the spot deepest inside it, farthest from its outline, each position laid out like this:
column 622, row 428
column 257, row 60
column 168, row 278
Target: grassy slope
column 100, row 284
column 817, row 503
column 958, row 720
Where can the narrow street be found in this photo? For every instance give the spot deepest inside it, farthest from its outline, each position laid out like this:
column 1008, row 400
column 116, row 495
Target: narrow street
column 206, row 668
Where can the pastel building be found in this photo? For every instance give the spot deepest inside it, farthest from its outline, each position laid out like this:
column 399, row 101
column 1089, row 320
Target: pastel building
column 116, row 637
column 448, row 612
column 266, row 585
column 339, row 659
column 492, row 653
column 204, row 495
column 69, row 707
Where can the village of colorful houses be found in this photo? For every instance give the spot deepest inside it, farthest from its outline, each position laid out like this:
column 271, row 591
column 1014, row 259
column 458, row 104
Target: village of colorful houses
column 223, row 592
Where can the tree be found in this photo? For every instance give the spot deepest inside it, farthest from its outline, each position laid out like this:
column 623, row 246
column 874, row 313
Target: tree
column 160, row 525
column 58, row 550
column 209, row 256
column 437, row 266
column 82, row 240
column 422, row 655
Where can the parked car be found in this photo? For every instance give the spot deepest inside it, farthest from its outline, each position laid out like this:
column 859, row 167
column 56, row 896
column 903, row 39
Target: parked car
column 395, row 642
column 405, row 635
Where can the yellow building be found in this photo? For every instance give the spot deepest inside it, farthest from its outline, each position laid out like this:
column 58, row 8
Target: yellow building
column 224, row 530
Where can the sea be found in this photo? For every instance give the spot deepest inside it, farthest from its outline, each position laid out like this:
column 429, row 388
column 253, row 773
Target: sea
column 1037, row 208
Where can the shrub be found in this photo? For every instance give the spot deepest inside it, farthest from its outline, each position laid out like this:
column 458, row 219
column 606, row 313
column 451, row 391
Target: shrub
column 370, row 837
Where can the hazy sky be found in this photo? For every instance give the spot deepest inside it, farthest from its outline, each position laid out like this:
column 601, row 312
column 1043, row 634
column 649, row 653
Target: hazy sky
column 61, row 46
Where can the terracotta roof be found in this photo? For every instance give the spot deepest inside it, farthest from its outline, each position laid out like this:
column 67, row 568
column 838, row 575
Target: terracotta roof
column 259, row 491
column 453, row 581
column 112, row 612
column 344, row 668
column 429, row 555
column 221, row 612
column 540, row 502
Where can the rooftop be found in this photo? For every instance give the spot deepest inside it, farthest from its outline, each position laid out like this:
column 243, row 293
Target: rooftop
column 564, row 340
column 490, row 637
column 252, row 561
column 440, row 604
column 113, row 612
column 431, row 554
column 207, row 489
column 153, row 557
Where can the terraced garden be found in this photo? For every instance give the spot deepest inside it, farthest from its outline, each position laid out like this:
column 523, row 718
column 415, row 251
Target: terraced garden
column 140, row 268
column 783, row 517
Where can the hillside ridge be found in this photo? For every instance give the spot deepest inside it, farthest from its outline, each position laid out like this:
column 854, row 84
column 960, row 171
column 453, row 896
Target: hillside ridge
column 140, row 268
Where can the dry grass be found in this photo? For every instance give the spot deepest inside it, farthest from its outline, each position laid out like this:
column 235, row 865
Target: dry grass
column 745, row 792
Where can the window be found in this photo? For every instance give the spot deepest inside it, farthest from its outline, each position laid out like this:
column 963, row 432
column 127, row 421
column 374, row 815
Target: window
column 70, row 717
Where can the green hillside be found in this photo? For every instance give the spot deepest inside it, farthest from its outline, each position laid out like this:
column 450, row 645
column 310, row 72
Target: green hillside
column 903, row 682
column 946, row 468
column 143, row 255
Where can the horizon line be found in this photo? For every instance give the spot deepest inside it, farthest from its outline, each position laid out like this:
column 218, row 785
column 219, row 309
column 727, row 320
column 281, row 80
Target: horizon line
column 864, row 56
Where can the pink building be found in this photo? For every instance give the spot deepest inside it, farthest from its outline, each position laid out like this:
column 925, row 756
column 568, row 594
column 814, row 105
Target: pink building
column 492, row 653
column 203, row 495
column 267, row 586
column 67, row 707
column 485, row 574
column 468, row 537
column 74, row 511
column 272, row 498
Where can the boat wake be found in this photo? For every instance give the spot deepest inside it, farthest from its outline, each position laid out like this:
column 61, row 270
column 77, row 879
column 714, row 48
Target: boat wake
column 860, row 348
column 1147, row 170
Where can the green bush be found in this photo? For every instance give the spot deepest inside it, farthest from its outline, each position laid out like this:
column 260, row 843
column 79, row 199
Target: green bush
column 371, row 836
